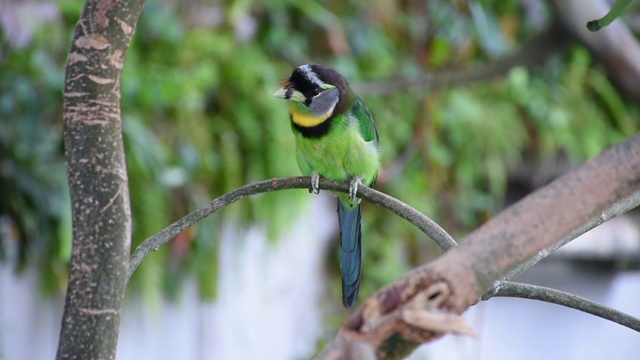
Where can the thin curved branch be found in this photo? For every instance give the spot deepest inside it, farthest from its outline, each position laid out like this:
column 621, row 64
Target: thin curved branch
column 534, row 292
column 421, row 305
column 428, row 226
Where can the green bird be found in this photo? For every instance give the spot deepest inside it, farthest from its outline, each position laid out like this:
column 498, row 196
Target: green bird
column 335, row 138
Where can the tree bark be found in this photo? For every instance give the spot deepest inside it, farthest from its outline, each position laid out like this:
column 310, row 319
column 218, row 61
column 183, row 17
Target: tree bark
column 98, row 181
column 420, row 306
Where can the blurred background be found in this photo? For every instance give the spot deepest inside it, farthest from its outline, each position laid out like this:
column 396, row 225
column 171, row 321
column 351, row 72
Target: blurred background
column 477, row 103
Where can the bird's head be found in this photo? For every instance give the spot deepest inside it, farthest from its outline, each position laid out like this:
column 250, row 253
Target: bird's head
column 316, row 89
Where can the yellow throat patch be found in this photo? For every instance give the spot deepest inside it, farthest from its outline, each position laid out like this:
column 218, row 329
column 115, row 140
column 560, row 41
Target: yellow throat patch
column 307, row 119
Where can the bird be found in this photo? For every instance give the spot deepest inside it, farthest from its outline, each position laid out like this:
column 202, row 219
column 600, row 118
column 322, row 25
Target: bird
column 336, row 139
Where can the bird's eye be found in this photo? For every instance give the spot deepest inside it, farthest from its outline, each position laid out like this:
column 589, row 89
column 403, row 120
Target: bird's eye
column 316, row 91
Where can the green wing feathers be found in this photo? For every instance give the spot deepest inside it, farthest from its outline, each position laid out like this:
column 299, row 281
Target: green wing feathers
column 367, row 129
column 337, row 139
column 367, row 126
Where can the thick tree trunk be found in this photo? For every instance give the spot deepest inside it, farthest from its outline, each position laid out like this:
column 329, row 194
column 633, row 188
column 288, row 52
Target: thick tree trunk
column 97, row 179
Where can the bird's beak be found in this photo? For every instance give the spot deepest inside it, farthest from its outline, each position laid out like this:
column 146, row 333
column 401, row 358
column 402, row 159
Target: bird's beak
column 289, row 94
column 281, row 93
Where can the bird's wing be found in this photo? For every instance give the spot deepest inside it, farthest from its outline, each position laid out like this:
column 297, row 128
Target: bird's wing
column 367, row 129
column 367, row 126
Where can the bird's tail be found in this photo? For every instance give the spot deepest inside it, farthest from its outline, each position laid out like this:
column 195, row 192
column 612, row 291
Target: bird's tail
column 350, row 251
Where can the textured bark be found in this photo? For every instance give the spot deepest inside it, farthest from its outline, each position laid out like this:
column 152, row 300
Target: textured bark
column 386, row 322
column 97, row 178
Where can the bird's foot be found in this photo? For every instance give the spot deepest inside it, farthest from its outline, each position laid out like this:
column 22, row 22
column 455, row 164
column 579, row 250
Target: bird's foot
column 353, row 189
column 315, row 184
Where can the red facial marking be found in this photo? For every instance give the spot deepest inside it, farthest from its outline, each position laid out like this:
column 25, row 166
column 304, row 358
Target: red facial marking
column 285, row 83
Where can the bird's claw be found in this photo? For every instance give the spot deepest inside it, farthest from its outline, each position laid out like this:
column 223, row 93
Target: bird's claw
column 315, row 184
column 353, row 190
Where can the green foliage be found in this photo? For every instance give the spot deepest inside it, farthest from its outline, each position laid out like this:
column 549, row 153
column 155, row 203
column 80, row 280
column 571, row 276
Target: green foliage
column 34, row 197
column 199, row 120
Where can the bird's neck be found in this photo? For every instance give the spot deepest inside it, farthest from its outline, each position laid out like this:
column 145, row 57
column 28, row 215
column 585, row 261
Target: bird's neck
column 301, row 116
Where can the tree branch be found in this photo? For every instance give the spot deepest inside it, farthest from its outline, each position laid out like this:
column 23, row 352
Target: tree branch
column 459, row 277
column 615, row 210
column 422, row 305
column 527, row 291
column 428, row 226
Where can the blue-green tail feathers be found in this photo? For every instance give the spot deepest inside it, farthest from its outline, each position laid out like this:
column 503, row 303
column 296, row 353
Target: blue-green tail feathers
column 350, row 251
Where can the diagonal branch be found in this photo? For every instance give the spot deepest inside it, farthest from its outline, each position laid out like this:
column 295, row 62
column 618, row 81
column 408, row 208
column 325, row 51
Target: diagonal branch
column 459, row 277
column 615, row 210
column 421, row 221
